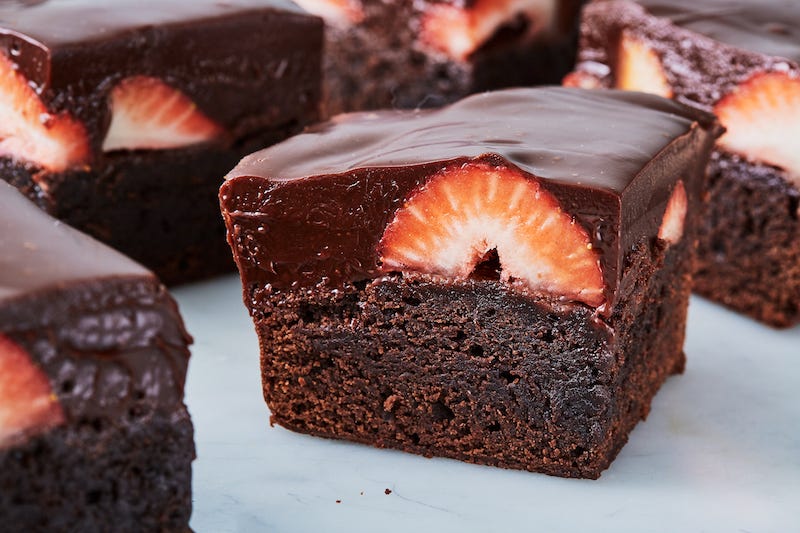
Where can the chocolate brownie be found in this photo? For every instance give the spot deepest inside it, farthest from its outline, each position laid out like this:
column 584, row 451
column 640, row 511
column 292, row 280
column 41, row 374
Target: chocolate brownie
column 503, row 281
column 411, row 53
column 121, row 120
column 94, row 435
column 740, row 60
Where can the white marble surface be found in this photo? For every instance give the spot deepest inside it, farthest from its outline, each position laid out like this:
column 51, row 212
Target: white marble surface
column 720, row 450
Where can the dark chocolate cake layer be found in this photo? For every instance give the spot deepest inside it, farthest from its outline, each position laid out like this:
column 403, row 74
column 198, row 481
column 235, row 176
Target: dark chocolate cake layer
column 749, row 256
column 439, row 51
column 94, row 434
column 126, row 474
column 146, row 106
column 386, row 260
column 739, row 60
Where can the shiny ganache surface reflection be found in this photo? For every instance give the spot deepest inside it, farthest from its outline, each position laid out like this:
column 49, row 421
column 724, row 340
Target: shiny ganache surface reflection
column 57, row 22
column 770, row 27
column 596, row 139
column 38, row 252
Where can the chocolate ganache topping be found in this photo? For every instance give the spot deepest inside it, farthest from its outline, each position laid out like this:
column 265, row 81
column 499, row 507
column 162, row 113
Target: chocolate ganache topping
column 770, row 27
column 101, row 326
column 313, row 208
column 72, row 52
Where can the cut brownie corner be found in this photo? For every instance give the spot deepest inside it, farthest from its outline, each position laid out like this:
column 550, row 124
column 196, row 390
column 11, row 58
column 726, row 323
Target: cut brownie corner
column 742, row 63
column 484, row 296
column 94, row 433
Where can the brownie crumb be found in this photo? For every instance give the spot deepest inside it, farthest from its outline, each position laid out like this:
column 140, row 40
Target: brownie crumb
column 387, row 491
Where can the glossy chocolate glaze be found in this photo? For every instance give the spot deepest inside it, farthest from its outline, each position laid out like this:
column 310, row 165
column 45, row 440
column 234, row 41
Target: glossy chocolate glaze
column 314, row 207
column 770, row 27
column 246, row 63
column 102, row 327
column 63, row 22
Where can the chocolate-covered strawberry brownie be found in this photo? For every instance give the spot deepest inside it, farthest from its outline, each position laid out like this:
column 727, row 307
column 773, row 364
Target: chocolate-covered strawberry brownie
column 412, row 53
column 94, row 435
column 120, row 119
column 503, row 281
column 741, row 60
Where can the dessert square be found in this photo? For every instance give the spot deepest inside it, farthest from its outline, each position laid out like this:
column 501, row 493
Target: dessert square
column 94, row 435
column 503, row 281
column 120, row 121
column 740, row 60
column 410, row 53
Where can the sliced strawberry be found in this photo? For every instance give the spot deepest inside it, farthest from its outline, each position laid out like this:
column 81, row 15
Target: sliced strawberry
column 639, row 68
column 148, row 114
column 762, row 117
column 341, row 13
column 459, row 31
column 582, row 80
column 27, row 403
column 29, row 132
column 465, row 213
column 671, row 229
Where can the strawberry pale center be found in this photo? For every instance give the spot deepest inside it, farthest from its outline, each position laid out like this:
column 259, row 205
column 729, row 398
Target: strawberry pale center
column 148, row 114
column 479, row 221
column 762, row 119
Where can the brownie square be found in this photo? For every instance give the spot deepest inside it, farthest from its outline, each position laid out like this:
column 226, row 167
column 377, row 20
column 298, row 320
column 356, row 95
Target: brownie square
column 410, row 54
column 503, row 281
column 94, row 434
column 740, row 60
column 121, row 120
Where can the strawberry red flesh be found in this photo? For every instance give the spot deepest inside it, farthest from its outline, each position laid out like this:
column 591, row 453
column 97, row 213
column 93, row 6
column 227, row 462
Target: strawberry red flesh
column 459, row 31
column 762, row 118
column 27, row 403
column 148, row 114
column 29, row 132
column 453, row 224
column 341, row 13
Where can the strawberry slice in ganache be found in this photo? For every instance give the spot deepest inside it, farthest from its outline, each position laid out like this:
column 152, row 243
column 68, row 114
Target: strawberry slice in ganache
column 464, row 213
column 503, row 281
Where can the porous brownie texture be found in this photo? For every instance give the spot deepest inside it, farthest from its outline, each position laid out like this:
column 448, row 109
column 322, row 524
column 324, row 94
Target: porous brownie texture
column 749, row 252
column 500, row 378
column 128, row 475
column 115, row 354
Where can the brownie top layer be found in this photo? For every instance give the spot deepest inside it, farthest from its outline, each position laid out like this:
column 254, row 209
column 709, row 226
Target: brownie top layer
column 37, row 252
column 313, row 209
column 58, row 22
column 596, row 140
column 770, row 27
